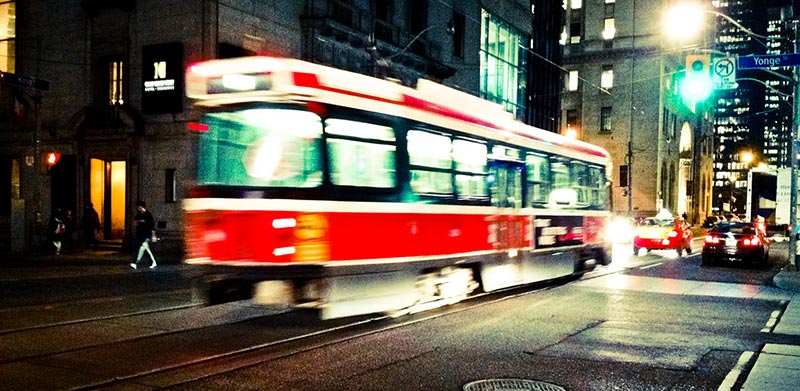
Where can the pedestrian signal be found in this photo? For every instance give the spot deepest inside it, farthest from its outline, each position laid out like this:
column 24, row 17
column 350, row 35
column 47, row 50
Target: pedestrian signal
column 50, row 160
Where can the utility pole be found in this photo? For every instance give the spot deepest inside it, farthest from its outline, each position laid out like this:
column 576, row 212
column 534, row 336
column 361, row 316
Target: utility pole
column 793, row 159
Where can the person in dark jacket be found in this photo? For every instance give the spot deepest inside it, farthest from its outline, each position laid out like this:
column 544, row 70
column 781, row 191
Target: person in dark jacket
column 90, row 223
column 145, row 231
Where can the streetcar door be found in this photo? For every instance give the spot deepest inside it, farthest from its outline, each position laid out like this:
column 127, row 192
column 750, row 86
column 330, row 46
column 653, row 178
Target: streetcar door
column 506, row 193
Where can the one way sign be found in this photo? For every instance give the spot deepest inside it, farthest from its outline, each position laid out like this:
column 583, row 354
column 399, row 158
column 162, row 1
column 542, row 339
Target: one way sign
column 723, row 73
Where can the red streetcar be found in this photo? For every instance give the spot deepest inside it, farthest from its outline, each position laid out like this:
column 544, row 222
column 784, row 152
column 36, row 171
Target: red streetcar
column 323, row 188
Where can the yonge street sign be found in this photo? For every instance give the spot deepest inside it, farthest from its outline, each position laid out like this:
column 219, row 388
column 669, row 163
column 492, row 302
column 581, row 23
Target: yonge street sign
column 769, row 61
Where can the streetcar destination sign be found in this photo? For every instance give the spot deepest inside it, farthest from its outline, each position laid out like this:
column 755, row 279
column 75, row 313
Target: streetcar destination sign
column 769, row 61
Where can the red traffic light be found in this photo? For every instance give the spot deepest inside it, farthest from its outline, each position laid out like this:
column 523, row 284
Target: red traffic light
column 52, row 158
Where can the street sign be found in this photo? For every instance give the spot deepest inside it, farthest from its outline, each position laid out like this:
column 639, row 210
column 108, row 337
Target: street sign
column 769, row 61
column 13, row 79
column 723, row 73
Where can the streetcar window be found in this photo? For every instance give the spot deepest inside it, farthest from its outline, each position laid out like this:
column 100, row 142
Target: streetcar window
column 431, row 161
column 559, row 169
column 580, row 182
column 470, row 158
column 538, row 168
column 361, row 154
column 598, row 188
column 261, row 147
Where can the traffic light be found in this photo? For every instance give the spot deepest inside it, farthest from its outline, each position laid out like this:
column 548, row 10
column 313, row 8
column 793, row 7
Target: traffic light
column 50, row 160
column 697, row 85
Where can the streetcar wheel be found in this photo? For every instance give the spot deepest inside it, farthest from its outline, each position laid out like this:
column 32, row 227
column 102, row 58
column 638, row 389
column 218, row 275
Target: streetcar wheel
column 636, row 251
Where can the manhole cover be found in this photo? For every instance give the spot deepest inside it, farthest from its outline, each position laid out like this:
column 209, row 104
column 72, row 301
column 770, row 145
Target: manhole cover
column 511, row 385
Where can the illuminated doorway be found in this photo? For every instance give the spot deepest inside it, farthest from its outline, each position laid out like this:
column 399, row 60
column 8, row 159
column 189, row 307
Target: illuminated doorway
column 107, row 193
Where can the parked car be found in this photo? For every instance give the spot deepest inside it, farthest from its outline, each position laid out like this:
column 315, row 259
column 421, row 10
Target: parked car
column 736, row 241
column 658, row 233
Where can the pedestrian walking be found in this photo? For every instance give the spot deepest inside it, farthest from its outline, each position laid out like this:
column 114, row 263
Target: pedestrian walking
column 90, row 223
column 145, row 233
column 57, row 230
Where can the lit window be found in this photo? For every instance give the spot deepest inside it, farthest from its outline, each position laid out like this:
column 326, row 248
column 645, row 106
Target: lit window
column 572, row 82
column 431, row 162
column 576, row 4
column 609, row 30
column 115, row 92
column 366, row 161
column 502, row 73
column 8, row 18
column 607, row 77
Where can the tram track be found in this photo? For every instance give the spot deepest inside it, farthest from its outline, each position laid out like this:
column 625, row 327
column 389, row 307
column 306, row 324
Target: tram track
column 187, row 340
column 329, row 333
column 40, row 316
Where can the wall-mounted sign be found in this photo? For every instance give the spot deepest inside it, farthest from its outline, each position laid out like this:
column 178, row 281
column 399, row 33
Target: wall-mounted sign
column 162, row 78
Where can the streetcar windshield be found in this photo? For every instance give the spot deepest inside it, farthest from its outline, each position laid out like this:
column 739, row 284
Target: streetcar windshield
column 261, row 146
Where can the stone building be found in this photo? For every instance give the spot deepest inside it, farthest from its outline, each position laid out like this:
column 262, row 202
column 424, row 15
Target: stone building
column 98, row 84
column 623, row 92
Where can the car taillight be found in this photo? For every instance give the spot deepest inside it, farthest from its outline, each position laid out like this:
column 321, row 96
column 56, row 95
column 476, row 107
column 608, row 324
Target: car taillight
column 712, row 239
column 751, row 241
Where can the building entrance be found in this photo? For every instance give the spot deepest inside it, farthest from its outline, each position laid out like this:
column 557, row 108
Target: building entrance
column 107, row 189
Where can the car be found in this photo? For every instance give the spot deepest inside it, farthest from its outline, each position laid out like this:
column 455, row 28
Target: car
column 663, row 233
column 710, row 221
column 736, row 241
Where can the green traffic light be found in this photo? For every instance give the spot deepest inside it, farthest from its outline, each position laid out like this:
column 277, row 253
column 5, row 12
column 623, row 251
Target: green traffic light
column 697, row 88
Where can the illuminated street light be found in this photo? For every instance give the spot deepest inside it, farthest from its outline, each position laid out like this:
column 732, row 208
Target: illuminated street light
column 683, row 21
column 746, row 157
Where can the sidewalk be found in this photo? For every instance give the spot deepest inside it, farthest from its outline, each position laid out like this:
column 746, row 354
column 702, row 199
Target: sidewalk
column 777, row 366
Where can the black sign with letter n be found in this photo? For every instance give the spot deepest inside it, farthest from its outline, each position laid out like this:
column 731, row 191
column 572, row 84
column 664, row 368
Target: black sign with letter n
column 162, row 78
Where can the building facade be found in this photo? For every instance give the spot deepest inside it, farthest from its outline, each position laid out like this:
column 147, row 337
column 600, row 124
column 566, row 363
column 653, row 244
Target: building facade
column 623, row 92
column 99, row 86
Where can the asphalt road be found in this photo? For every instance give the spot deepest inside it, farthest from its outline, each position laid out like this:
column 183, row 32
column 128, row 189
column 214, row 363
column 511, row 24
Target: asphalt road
column 644, row 323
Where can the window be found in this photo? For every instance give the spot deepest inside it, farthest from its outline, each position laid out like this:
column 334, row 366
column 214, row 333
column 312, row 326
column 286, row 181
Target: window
column 459, row 22
column 605, row 119
column 258, row 147
column 170, row 186
column 608, row 29
column 607, row 77
column 576, row 4
column 538, row 167
column 572, row 81
column 418, row 14
column 609, row 9
column 502, row 74
column 8, row 28
column 573, row 120
column 470, row 162
column 623, row 175
column 575, row 25
column 115, row 92
column 430, row 155
column 360, row 153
